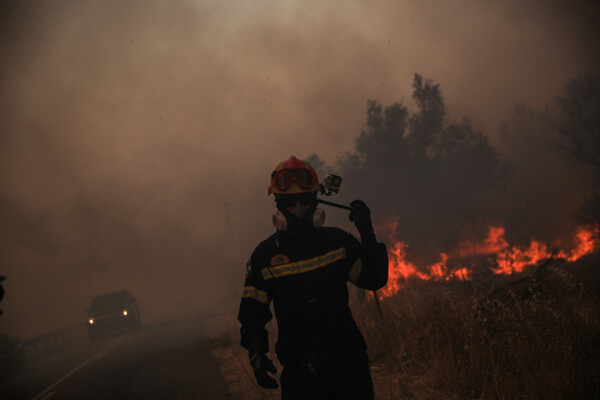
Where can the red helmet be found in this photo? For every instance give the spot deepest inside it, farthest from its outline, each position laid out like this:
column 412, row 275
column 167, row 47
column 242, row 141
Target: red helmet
column 294, row 176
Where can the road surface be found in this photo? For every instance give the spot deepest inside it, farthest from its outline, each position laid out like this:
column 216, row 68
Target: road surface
column 170, row 360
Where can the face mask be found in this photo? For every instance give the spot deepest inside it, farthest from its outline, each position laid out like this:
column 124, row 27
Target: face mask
column 281, row 223
column 298, row 211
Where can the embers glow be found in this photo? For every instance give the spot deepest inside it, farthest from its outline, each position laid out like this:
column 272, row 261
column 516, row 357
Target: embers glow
column 504, row 258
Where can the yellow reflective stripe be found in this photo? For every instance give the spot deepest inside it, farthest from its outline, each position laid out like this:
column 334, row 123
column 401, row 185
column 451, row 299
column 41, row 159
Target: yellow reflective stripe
column 250, row 292
column 355, row 271
column 299, row 267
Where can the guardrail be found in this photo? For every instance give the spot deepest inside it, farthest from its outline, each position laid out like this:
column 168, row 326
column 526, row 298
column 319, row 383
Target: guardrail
column 49, row 343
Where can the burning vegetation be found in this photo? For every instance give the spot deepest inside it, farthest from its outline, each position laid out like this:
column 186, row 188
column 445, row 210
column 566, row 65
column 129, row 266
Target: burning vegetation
column 501, row 257
column 486, row 297
column 443, row 194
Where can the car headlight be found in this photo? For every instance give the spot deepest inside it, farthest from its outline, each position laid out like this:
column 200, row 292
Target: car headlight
column 91, row 321
column 125, row 312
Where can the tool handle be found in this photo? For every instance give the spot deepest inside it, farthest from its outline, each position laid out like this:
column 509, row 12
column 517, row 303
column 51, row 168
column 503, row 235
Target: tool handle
column 334, row 204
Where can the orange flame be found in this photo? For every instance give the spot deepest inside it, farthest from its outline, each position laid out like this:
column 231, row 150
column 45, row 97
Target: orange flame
column 507, row 259
column 587, row 242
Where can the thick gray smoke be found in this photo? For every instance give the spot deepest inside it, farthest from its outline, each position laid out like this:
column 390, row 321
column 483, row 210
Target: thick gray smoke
column 136, row 138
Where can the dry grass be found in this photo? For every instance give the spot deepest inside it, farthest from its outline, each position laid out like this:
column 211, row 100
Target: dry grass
column 234, row 364
column 447, row 340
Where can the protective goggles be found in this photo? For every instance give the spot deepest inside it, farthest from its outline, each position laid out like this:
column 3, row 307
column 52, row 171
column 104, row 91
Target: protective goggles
column 303, row 177
column 290, row 200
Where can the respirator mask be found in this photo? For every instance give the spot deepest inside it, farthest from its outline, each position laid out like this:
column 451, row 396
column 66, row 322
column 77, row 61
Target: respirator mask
column 298, row 212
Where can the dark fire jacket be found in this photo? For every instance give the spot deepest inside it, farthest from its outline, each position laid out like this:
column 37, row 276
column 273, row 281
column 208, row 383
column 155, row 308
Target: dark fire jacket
column 306, row 278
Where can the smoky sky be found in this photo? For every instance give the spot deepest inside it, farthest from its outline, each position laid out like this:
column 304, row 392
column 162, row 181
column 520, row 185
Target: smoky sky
column 137, row 137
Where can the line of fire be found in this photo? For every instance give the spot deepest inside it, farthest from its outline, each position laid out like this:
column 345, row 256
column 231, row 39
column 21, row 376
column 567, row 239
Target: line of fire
column 501, row 257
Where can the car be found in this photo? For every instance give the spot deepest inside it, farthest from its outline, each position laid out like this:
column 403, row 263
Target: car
column 112, row 313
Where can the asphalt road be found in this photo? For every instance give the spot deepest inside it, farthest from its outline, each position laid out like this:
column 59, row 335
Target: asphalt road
column 171, row 360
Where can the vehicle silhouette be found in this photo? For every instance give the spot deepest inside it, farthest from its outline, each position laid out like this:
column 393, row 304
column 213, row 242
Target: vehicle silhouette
column 112, row 313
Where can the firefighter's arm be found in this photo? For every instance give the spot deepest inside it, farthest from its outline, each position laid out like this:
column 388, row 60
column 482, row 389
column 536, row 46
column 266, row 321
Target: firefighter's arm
column 254, row 312
column 370, row 269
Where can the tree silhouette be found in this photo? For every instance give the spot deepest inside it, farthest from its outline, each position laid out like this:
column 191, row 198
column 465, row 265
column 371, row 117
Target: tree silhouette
column 541, row 194
column 577, row 118
column 428, row 121
column 443, row 181
column 436, row 177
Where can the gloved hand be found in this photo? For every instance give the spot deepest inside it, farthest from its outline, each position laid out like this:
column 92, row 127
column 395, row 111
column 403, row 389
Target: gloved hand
column 361, row 216
column 261, row 364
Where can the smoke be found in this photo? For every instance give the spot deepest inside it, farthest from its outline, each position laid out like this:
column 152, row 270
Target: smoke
column 136, row 138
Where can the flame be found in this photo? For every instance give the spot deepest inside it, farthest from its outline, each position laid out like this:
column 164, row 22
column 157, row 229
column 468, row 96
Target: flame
column 400, row 269
column 492, row 244
column 506, row 259
column 587, row 242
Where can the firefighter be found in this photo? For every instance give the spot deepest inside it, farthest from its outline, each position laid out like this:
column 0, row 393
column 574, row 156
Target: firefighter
column 303, row 268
